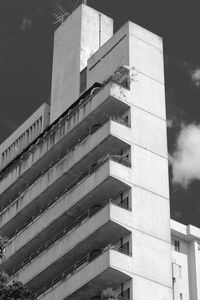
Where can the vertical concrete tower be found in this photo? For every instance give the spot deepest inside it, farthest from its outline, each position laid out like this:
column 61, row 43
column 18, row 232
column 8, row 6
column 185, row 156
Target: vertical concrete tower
column 142, row 51
column 86, row 205
column 82, row 34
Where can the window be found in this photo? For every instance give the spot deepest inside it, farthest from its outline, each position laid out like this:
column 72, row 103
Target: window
column 181, row 296
column 124, row 201
column 124, row 245
column 83, row 80
column 126, row 120
column 176, row 245
column 125, row 294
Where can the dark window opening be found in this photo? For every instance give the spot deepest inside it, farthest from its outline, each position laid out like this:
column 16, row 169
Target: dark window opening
column 83, row 80
column 125, row 294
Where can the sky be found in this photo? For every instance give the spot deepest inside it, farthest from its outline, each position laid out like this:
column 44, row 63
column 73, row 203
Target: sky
column 26, row 48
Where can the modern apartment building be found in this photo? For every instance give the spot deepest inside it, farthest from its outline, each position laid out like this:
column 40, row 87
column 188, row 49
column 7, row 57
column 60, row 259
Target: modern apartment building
column 84, row 192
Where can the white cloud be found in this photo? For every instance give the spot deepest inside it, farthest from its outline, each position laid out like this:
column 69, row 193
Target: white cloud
column 26, row 24
column 195, row 77
column 186, row 159
column 170, row 123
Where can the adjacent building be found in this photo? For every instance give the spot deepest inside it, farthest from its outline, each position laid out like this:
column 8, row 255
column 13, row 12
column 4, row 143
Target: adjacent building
column 84, row 192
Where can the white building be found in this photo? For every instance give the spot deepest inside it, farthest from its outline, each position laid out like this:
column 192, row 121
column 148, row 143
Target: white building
column 85, row 201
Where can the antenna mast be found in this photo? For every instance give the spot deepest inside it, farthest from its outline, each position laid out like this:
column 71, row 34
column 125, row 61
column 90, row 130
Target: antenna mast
column 60, row 14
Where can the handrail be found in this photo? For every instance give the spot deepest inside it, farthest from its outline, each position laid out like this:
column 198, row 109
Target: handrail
column 93, row 168
column 82, row 100
column 52, row 127
column 76, row 267
column 78, row 221
column 85, row 135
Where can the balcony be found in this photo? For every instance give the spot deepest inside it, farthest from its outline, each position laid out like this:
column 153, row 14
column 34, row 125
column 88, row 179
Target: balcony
column 86, row 234
column 108, row 180
column 107, row 139
column 93, row 109
column 87, row 277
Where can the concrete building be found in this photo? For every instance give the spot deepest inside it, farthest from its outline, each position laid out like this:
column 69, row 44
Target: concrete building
column 85, row 202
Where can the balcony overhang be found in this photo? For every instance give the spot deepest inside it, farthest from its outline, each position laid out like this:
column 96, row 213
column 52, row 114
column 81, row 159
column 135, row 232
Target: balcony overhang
column 46, row 189
column 96, row 189
column 112, row 99
column 109, row 269
column 94, row 234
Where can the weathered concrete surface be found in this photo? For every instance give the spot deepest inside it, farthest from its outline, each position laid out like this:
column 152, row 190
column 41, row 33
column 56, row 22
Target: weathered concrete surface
column 24, row 135
column 75, row 41
column 186, row 261
column 91, row 234
column 94, row 190
column 111, row 268
column 141, row 50
column 111, row 100
column 107, row 139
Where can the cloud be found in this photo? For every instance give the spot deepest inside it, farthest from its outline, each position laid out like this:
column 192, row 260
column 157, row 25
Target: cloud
column 26, row 24
column 195, row 77
column 170, row 123
column 185, row 160
column 194, row 73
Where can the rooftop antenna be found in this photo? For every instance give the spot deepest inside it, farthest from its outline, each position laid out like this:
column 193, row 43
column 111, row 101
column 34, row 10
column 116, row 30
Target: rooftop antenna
column 60, row 14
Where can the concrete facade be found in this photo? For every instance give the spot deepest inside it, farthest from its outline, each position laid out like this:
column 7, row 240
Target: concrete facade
column 24, row 135
column 86, row 207
column 84, row 32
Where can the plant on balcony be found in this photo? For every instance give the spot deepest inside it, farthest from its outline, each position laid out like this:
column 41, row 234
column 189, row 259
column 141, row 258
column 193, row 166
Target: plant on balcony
column 123, row 75
column 108, row 294
column 13, row 291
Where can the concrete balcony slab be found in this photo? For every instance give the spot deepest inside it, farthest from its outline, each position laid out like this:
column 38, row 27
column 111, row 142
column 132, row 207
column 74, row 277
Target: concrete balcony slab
column 91, row 235
column 110, row 100
column 108, row 181
column 111, row 268
column 107, row 139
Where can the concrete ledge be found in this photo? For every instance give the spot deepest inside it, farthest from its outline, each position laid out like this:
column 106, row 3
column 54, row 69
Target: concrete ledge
column 94, row 233
column 107, row 182
column 105, row 140
column 109, row 269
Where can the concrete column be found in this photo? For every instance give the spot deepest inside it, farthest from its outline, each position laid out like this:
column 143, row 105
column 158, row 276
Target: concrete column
column 150, row 191
column 142, row 51
column 83, row 33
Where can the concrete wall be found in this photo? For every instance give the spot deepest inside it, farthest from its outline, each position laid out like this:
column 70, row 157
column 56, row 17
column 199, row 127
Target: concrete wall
column 180, row 275
column 24, row 135
column 141, row 50
column 64, row 172
column 186, row 261
column 75, row 41
column 110, row 100
column 113, row 54
column 149, row 157
column 75, row 238
column 110, row 263
column 97, row 188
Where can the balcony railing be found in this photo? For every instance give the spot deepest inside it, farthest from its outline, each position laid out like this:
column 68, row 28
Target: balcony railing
column 84, row 261
column 118, row 158
column 118, row 119
column 66, row 116
column 76, row 223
